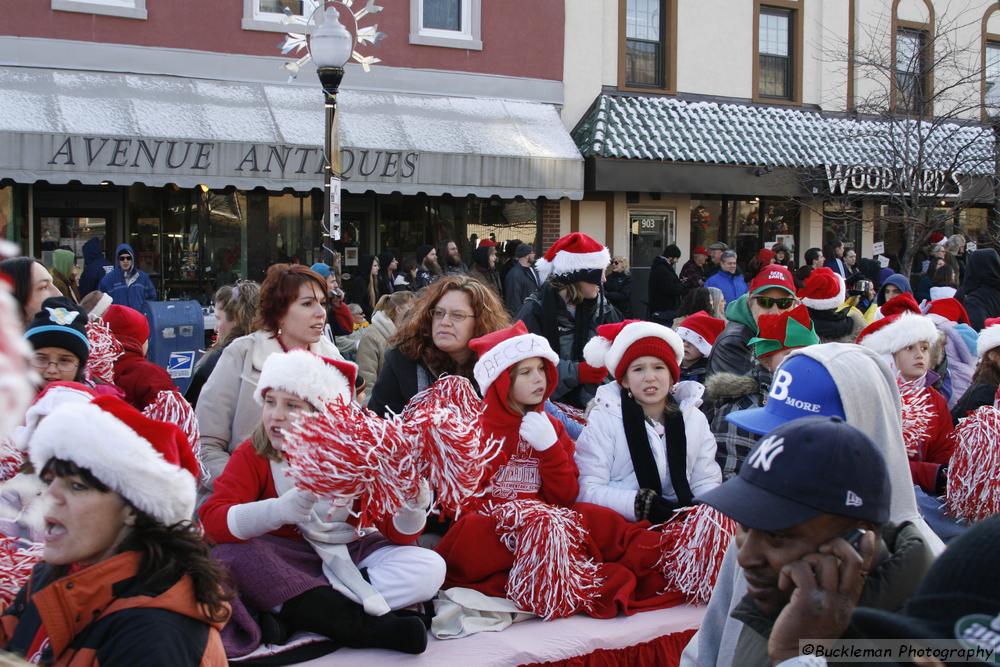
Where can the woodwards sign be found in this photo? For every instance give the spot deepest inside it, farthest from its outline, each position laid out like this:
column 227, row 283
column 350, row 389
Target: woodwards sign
column 886, row 181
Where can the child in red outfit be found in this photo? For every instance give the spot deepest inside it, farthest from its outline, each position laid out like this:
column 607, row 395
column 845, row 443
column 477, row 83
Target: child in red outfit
column 285, row 549
column 139, row 378
column 908, row 337
column 516, row 373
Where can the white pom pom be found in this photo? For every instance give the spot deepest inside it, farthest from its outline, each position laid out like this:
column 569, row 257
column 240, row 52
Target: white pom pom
column 595, row 352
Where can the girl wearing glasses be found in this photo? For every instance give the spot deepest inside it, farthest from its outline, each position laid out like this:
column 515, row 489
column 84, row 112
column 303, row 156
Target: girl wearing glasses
column 58, row 335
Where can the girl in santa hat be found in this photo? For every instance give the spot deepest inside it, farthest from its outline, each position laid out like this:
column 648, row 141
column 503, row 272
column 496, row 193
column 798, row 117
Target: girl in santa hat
column 567, row 310
column 698, row 331
column 286, row 550
column 647, row 449
column 986, row 378
column 907, row 338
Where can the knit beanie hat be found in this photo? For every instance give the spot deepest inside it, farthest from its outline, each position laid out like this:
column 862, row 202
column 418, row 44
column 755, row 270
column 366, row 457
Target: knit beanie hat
column 574, row 257
column 422, row 251
column 523, row 250
column 780, row 331
column 148, row 463
column 501, row 350
column 127, row 324
column 989, row 337
column 947, row 310
column 315, row 379
column 63, row 260
column 96, row 303
column 823, row 290
column 893, row 333
column 322, row 269
column 60, row 323
column 617, row 345
column 765, row 256
column 699, row 250
column 701, row 330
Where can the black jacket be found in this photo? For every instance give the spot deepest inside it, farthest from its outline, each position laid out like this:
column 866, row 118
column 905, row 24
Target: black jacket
column 618, row 289
column 397, row 383
column 980, row 293
column 520, row 283
column 201, row 372
column 976, row 396
column 665, row 288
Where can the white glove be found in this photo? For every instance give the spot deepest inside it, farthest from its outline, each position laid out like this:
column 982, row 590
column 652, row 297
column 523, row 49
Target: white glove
column 538, row 431
column 251, row 520
column 412, row 516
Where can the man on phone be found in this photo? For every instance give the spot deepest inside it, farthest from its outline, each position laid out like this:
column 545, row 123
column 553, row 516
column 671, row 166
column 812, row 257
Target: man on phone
column 807, row 488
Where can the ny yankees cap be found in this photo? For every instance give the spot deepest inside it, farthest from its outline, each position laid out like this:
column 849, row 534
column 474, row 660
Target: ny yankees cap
column 807, row 467
column 801, row 387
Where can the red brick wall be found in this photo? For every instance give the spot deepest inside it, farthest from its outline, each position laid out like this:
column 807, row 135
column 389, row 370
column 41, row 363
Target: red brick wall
column 549, row 212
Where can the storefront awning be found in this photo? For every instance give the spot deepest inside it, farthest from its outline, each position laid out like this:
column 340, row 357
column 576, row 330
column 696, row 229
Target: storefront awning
column 61, row 126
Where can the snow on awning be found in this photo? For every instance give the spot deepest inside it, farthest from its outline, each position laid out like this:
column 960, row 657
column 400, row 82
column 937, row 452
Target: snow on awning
column 63, row 125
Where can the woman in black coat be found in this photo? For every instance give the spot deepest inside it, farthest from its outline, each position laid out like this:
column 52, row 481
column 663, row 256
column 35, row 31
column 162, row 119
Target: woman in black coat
column 980, row 293
column 618, row 288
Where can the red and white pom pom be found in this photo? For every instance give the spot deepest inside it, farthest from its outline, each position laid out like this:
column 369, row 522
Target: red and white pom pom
column 11, row 459
column 105, row 350
column 974, row 471
column 694, row 542
column 918, row 416
column 552, row 575
column 346, row 452
column 16, row 390
column 173, row 408
column 574, row 413
column 17, row 559
column 441, row 423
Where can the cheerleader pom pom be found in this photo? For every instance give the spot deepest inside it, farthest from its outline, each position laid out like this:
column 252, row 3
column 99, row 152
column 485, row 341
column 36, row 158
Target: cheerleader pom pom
column 17, row 559
column 345, row 452
column 552, row 575
column 105, row 350
column 173, row 408
column 442, row 426
column 917, row 415
column 974, row 471
column 694, row 542
column 11, row 459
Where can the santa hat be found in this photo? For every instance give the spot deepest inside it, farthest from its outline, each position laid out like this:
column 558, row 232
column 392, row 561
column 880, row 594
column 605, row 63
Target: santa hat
column 899, row 304
column 989, row 337
column 574, row 257
column 942, row 292
column 127, row 324
column 780, row 331
column 823, row 290
column 617, row 345
column 938, row 239
column 487, row 243
column 947, row 310
column 147, row 462
column 893, row 333
column 50, row 398
column 765, row 256
column 500, row 350
column 701, row 330
column 315, row 379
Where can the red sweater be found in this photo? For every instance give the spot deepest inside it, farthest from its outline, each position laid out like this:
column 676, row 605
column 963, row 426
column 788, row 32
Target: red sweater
column 247, row 479
column 139, row 378
column 936, row 450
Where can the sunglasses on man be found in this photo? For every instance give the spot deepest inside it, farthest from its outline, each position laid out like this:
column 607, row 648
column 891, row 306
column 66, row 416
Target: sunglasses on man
column 125, row 258
column 782, row 302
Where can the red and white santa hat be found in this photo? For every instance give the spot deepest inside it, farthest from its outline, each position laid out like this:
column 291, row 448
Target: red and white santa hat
column 50, row 398
column 947, row 310
column 823, row 290
column 147, row 462
column 315, row 379
column 574, row 257
column 989, row 337
column 895, row 332
column 617, row 345
column 500, row 350
column 701, row 330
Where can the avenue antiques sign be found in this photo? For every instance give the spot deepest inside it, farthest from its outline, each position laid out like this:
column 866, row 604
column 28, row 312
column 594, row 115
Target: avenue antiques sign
column 867, row 180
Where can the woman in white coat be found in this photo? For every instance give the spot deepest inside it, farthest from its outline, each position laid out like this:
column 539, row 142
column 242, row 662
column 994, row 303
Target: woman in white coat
column 647, row 449
column 291, row 316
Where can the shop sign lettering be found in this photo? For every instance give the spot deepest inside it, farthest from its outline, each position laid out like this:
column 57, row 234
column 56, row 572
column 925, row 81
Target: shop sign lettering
column 865, row 180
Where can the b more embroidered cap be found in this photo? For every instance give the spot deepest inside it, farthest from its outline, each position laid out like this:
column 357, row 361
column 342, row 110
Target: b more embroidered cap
column 805, row 468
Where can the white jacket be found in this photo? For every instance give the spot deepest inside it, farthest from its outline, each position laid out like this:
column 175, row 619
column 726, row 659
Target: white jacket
column 607, row 477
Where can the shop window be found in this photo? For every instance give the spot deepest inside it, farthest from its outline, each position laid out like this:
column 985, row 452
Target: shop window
column 744, row 228
column 268, row 15
column 447, row 23
column 705, row 217
column 774, row 43
column 11, row 213
column 842, row 221
column 651, row 232
column 225, row 254
column 130, row 9
column 781, row 224
column 911, row 71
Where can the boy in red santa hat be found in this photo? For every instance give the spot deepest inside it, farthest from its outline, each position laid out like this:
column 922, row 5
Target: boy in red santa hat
column 906, row 339
column 286, row 549
column 958, row 342
column 698, row 331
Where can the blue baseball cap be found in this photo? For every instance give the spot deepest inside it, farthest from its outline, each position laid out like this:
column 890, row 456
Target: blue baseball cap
column 322, row 269
column 805, row 468
column 801, row 387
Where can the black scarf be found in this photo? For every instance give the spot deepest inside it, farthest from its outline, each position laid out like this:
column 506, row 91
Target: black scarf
column 634, row 421
column 552, row 307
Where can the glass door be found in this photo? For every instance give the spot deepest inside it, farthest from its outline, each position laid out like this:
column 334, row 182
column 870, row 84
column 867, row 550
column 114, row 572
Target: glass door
column 69, row 230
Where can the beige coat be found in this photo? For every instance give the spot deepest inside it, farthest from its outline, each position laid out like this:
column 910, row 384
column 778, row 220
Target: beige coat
column 371, row 349
column 227, row 413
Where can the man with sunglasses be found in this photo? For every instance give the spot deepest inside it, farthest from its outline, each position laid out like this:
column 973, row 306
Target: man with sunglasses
column 771, row 291
column 126, row 284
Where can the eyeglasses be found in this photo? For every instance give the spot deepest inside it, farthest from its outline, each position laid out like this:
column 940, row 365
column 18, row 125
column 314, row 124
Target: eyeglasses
column 440, row 313
column 125, row 258
column 42, row 362
column 783, row 303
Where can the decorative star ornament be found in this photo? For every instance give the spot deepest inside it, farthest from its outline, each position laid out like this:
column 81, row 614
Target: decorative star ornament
column 298, row 42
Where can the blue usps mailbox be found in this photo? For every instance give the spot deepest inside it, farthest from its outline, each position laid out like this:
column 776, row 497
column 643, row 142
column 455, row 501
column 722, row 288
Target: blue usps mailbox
column 176, row 337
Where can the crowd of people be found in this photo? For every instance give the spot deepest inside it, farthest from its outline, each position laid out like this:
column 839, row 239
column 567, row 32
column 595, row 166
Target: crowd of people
column 831, row 425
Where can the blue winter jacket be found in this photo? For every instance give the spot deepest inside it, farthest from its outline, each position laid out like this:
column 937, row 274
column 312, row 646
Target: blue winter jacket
column 95, row 266
column 133, row 290
column 732, row 284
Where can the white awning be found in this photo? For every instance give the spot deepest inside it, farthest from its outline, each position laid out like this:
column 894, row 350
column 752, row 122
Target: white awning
column 62, row 125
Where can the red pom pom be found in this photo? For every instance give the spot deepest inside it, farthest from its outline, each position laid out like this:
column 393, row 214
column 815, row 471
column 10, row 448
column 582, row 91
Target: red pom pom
column 552, row 575
column 17, row 558
column 574, row 413
column 11, row 459
column 974, row 471
column 917, row 415
column 173, row 408
column 105, row 350
column 442, row 425
column 345, row 452
column 695, row 541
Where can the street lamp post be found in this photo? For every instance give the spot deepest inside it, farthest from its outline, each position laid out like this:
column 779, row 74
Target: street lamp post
column 330, row 47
